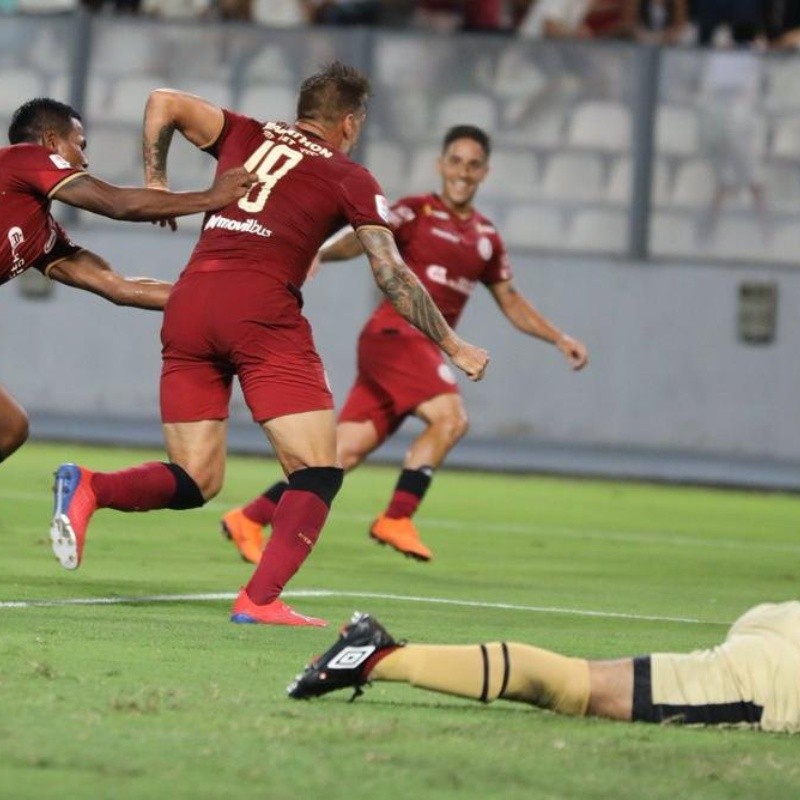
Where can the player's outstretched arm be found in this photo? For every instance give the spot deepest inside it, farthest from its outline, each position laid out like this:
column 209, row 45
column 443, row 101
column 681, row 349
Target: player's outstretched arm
column 136, row 205
column 412, row 301
column 88, row 271
column 523, row 316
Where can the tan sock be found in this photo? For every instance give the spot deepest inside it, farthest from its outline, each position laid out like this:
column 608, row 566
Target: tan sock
column 485, row 672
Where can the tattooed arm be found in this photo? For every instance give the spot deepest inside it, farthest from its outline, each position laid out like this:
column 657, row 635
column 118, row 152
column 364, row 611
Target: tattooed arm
column 412, row 301
column 167, row 111
column 200, row 122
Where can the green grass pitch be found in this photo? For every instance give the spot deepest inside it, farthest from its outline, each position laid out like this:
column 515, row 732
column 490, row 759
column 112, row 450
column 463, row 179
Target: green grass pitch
column 167, row 699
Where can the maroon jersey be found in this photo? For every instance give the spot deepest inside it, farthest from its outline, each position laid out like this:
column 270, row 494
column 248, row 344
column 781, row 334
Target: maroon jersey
column 29, row 176
column 306, row 191
column 448, row 254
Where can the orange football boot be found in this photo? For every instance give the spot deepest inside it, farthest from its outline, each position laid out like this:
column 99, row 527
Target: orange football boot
column 248, row 536
column 276, row 612
column 402, row 535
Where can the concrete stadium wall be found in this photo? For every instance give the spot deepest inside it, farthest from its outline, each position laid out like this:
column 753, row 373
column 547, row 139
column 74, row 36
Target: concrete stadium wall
column 667, row 371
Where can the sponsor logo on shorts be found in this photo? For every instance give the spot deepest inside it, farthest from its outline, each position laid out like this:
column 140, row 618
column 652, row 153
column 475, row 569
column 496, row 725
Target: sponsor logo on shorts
column 438, row 274
column 250, row 225
column 485, row 248
column 446, row 374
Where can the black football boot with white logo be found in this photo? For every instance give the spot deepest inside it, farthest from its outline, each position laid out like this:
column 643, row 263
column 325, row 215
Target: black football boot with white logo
column 342, row 666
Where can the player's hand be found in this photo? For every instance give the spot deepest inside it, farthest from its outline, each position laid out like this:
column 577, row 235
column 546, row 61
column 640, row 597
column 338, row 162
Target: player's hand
column 574, row 351
column 230, row 186
column 471, row 360
column 167, row 222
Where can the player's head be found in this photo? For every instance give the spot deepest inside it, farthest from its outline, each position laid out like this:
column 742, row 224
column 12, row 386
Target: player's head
column 335, row 100
column 463, row 164
column 52, row 124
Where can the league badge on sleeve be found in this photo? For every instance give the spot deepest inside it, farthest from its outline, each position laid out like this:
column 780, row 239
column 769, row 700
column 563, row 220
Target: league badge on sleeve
column 382, row 207
column 60, row 162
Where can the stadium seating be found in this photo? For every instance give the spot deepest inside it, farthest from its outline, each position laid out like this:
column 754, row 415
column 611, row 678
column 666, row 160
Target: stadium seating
column 268, row 102
column 599, row 231
column 513, row 174
column 600, row 125
column 573, row 176
column 533, row 226
column 388, row 163
column 17, row 86
column 676, row 131
column 619, row 187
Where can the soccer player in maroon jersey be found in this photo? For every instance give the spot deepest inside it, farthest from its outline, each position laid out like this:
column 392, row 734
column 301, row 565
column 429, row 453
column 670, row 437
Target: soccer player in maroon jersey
column 451, row 247
column 46, row 161
column 235, row 310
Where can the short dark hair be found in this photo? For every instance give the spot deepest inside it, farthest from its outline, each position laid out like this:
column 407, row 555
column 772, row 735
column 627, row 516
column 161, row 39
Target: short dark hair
column 32, row 119
column 334, row 91
column 468, row 132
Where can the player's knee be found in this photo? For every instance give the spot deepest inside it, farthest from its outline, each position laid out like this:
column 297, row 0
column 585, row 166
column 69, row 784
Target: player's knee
column 324, row 482
column 15, row 432
column 189, row 491
column 452, row 427
column 349, row 457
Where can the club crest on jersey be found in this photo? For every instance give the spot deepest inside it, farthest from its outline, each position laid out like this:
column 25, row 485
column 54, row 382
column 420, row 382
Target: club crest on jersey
column 485, row 248
column 60, row 162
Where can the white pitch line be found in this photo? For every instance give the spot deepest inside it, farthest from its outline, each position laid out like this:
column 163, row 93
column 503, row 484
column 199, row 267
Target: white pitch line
column 172, row 598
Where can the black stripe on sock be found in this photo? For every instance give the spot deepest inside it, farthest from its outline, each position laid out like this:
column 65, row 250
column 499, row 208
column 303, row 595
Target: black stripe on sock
column 187, row 492
column 415, row 481
column 324, row 482
column 506, row 668
column 644, row 710
column 275, row 492
column 485, row 689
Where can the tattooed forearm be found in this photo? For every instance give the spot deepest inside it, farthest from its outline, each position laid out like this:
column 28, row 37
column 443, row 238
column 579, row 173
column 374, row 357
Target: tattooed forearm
column 401, row 286
column 155, row 154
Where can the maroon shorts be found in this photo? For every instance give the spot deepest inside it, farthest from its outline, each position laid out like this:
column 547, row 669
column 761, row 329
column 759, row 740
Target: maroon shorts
column 221, row 324
column 396, row 373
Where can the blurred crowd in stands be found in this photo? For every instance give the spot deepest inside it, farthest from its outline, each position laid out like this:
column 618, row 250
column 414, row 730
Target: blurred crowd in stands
column 768, row 23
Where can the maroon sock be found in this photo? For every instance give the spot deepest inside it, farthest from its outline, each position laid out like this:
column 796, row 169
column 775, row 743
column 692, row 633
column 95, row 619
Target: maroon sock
column 296, row 526
column 143, row 488
column 411, row 487
column 262, row 509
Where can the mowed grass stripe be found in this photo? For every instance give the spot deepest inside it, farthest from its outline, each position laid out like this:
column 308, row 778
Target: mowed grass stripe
column 530, row 529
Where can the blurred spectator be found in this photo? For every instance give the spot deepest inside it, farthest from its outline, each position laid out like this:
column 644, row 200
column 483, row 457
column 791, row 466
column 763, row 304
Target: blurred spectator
column 443, row 16
column 117, row 6
column 783, row 23
column 557, row 19
column 661, row 21
column 175, row 9
column 342, row 12
column 746, row 19
column 612, row 19
column 729, row 127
